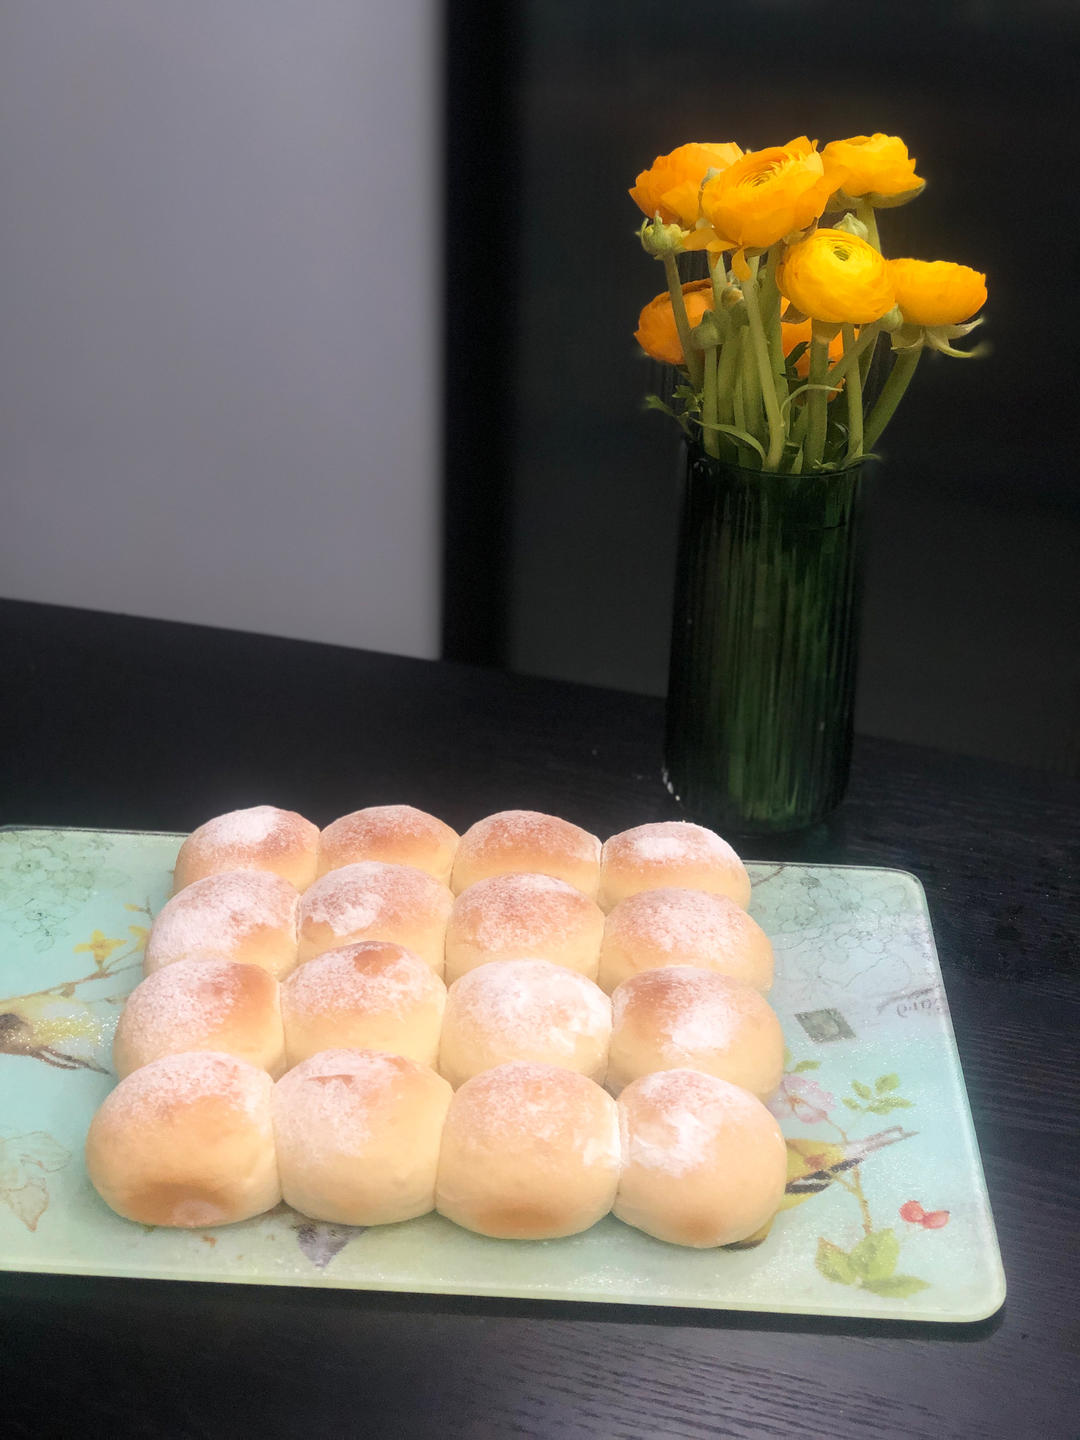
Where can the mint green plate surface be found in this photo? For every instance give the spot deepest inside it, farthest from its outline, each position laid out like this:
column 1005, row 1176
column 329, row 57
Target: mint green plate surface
column 886, row 1212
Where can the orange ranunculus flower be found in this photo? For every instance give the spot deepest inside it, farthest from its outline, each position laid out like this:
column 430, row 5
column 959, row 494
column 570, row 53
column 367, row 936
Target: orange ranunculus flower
column 671, row 185
column 836, row 277
column 877, row 166
column 767, row 194
column 936, row 292
column 656, row 332
column 794, row 334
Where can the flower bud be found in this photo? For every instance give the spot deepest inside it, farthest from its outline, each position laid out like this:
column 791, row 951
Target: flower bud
column 658, row 239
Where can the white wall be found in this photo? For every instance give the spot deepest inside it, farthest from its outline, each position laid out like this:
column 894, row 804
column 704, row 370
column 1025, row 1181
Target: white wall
column 219, row 313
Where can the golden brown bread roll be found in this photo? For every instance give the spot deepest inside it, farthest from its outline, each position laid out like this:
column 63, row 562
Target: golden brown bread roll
column 529, row 1152
column 394, row 834
column 260, row 838
column 371, row 996
column 521, row 916
column 373, row 901
column 527, row 841
column 682, row 1017
column 243, row 915
column 655, row 928
column 524, row 1010
column 202, row 1005
column 186, row 1141
column 704, row 1163
column 671, row 852
column 358, row 1135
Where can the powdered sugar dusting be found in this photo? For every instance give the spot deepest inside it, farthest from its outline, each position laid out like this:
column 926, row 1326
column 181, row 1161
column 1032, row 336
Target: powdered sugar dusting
column 670, row 843
column 159, row 1090
column 692, row 1010
column 530, row 1004
column 521, row 911
column 183, row 1006
column 213, row 916
column 528, row 1106
column 336, row 1101
column 530, row 832
column 356, row 897
column 688, row 923
column 673, row 1120
column 381, row 832
column 374, row 976
column 263, row 830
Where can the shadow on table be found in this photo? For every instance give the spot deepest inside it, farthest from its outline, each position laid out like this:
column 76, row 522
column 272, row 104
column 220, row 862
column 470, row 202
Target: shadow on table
column 186, row 1300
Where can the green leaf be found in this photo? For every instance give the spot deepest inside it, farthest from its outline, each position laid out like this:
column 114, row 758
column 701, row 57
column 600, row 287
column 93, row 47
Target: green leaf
column 887, row 1082
column 875, row 1256
column 863, row 1091
column 851, row 1104
column 804, row 1065
column 896, row 1287
column 834, row 1263
column 886, row 1107
column 743, row 436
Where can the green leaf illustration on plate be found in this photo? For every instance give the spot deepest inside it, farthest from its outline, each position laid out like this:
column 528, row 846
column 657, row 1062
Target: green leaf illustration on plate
column 876, row 1254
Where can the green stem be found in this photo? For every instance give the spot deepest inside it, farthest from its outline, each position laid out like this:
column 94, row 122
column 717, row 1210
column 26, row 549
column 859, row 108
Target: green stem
column 892, row 393
column 771, row 304
column 709, row 411
column 854, row 401
column 694, row 362
column 817, row 403
column 725, row 379
column 865, row 212
column 867, row 336
column 751, row 380
column 766, row 376
column 739, row 396
column 718, row 276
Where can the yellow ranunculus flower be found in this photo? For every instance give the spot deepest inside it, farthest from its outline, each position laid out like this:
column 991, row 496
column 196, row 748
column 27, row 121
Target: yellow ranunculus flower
column 936, row 292
column 656, row 332
column 671, row 185
column 767, row 194
column 836, row 277
column 877, row 166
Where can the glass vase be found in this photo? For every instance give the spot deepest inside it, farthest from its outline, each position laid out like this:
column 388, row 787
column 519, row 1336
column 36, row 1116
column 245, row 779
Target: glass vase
column 764, row 644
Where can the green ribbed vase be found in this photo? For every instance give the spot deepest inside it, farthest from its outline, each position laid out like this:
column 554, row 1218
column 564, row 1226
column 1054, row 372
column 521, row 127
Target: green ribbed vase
column 764, row 646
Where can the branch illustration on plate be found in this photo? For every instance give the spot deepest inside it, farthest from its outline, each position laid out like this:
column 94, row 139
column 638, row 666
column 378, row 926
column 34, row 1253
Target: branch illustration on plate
column 60, row 1027
column 817, row 1164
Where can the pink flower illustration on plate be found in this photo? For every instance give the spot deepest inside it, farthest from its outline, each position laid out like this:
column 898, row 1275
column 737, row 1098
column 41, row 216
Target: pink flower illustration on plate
column 803, row 1098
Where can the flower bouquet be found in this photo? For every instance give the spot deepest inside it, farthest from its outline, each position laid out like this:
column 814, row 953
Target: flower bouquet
column 772, row 352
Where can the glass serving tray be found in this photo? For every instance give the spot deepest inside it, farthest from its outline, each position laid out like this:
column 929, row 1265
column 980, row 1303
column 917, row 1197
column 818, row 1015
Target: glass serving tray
column 886, row 1212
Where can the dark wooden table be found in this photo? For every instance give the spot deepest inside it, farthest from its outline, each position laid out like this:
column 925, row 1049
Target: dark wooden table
column 113, row 722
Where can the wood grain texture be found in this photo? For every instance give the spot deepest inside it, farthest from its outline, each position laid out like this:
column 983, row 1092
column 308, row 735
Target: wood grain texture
column 118, row 722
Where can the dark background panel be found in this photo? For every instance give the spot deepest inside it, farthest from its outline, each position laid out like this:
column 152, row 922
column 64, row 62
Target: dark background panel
column 970, row 635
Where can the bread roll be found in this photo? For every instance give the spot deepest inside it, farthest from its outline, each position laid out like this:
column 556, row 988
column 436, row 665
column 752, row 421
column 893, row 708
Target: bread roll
column 261, row 838
column 394, row 834
column 373, row 901
column 524, row 1010
column 202, row 1005
column 371, row 996
column 683, row 1017
column 186, row 1141
column 358, row 1136
column 516, row 917
column 529, row 1152
column 683, row 927
column 525, row 840
column 243, row 915
column 704, row 1163
column 671, row 852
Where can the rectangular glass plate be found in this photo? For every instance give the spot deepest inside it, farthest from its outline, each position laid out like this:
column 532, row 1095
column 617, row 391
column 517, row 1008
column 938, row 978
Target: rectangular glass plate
column 887, row 1213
